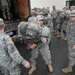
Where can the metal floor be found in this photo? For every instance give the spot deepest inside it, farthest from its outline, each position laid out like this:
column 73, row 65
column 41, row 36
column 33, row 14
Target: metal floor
column 59, row 52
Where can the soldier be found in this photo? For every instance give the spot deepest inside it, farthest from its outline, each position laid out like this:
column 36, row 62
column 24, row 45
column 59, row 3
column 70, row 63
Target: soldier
column 33, row 16
column 54, row 15
column 64, row 23
column 5, row 6
column 42, row 47
column 9, row 55
column 71, row 44
column 58, row 22
column 49, row 20
column 69, row 21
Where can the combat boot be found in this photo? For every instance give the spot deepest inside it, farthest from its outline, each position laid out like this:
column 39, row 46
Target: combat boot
column 67, row 69
column 58, row 36
column 56, row 33
column 53, row 31
column 50, row 68
column 65, row 39
column 32, row 70
column 8, row 18
column 4, row 17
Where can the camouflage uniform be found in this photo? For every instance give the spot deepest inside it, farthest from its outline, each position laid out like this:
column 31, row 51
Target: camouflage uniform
column 32, row 18
column 45, row 52
column 54, row 15
column 42, row 47
column 64, row 22
column 9, row 56
column 69, row 21
column 49, row 24
column 68, row 28
column 58, row 22
column 5, row 4
column 71, row 44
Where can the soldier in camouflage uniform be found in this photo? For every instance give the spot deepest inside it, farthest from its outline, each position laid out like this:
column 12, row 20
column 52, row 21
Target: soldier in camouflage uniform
column 49, row 22
column 58, row 22
column 5, row 7
column 42, row 47
column 65, row 19
column 32, row 18
column 71, row 44
column 54, row 15
column 69, row 21
column 9, row 55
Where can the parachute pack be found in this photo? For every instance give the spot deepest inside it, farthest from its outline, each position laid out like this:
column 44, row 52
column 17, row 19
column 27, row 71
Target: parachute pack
column 32, row 32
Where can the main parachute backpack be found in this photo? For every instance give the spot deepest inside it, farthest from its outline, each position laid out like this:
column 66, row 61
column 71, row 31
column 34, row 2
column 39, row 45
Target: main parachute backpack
column 32, row 32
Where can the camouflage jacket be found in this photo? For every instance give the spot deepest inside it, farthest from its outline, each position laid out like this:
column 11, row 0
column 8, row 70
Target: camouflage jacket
column 71, row 38
column 9, row 56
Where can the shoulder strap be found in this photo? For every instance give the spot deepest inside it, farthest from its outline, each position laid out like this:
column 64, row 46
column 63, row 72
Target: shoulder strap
column 40, row 31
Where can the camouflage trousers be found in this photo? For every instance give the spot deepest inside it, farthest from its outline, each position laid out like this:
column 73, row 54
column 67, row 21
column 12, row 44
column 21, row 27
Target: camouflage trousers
column 45, row 52
column 6, row 11
column 12, row 71
column 54, row 24
column 71, row 57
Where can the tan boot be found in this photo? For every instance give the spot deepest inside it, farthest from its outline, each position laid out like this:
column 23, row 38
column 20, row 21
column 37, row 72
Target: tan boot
column 67, row 69
column 4, row 17
column 56, row 33
column 50, row 68
column 53, row 31
column 8, row 18
column 32, row 70
column 58, row 36
column 65, row 39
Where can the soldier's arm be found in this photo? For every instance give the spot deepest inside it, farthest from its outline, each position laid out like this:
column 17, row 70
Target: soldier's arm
column 13, row 52
column 49, row 38
column 72, row 36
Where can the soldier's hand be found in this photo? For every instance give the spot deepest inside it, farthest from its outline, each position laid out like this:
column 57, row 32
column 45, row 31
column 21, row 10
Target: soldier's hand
column 73, row 47
column 27, row 65
column 32, row 46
